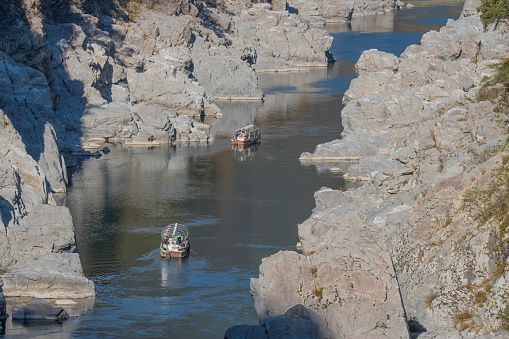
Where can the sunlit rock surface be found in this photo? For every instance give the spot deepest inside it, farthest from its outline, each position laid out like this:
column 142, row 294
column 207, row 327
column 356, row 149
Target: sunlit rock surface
column 406, row 249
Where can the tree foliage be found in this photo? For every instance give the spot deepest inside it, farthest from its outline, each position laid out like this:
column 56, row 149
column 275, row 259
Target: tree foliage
column 493, row 10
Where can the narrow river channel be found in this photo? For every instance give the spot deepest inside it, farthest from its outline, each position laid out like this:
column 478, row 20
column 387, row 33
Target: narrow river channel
column 239, row 206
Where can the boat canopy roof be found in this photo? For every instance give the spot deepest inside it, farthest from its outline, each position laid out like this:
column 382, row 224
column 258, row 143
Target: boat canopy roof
column 175, row 230
column 249, row 128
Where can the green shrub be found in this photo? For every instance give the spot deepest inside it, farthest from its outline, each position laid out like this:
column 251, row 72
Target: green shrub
column 493, row 11
column 496, row 88
column 492, row 204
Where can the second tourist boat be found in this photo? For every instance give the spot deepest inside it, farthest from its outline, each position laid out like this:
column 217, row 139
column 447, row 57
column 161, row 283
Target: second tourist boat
column 246, row 136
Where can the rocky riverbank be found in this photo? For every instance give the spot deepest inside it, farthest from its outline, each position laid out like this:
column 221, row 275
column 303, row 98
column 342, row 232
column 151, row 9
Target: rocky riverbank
column 421, row 247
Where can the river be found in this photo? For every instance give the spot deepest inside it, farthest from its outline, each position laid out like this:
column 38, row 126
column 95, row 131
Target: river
column 239, row 206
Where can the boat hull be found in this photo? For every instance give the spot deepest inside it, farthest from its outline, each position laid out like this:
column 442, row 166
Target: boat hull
column 243, row 142
column 175, row 253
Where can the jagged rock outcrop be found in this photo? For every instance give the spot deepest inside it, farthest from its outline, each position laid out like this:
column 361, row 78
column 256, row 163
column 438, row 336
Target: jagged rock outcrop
column 37, row 239
column 345, row 276
column 429, row 150
column 363, row 7
column 105, row 73
column 319, row 12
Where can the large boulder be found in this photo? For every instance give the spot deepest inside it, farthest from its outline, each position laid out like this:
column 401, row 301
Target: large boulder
column 284, row 36
column 344, row 291
column 336, row 11
column 226, row 78
column 373, row 60
column 371, row 7
column 50, row 276
column 46, row 229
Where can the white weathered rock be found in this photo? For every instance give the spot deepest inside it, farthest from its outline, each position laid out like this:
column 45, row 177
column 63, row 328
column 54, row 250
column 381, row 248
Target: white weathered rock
column 50, row 276
column 373, row 60
column 226, row 78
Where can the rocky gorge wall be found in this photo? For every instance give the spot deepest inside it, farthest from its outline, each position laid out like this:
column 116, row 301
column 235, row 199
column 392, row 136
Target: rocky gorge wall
column 415, row 250
column 76, row 74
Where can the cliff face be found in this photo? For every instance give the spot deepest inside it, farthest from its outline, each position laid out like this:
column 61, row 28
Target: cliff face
column 422, row 243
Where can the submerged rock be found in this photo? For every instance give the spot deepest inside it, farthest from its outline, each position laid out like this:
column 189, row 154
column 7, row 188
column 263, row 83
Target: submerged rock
column 39, row 309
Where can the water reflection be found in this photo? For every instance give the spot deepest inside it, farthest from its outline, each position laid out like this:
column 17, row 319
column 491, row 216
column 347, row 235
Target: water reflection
column 235, row 115
column 237, row 213
column 171, row 271
column 245, row 153
column 365, row 24
column 420, row 17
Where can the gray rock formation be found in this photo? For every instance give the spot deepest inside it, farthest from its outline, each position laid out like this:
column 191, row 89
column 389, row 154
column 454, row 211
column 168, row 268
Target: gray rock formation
column 319, row 12
column 48, row 276
column 407, row 247
column 265, row 39
column 348, row 282
column 373, row 7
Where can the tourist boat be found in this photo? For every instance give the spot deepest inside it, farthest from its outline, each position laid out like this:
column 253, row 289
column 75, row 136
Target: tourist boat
column 246, row 136
column 174, row 241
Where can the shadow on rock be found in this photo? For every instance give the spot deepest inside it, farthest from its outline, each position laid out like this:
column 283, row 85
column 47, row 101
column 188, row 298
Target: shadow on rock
column 297, row 322
column 6, row 211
